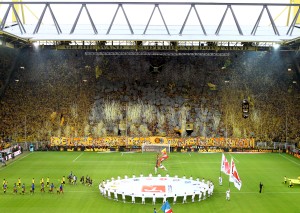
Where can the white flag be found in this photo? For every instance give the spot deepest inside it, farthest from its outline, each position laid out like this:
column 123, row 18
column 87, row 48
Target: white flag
column 234, row 176
column 225, row 165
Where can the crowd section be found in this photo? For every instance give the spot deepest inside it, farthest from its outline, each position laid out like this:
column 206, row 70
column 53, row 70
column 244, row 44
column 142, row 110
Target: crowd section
column 6, row 63
column 4, row 145
column 70, row 94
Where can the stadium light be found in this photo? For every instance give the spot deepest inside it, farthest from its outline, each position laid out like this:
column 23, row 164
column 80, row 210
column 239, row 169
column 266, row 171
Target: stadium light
column 276, row 46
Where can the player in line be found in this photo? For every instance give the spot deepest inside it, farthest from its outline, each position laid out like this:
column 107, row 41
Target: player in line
column 228, row 194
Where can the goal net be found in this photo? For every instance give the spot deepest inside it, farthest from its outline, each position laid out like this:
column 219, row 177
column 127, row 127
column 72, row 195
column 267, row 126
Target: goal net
column 155, row 147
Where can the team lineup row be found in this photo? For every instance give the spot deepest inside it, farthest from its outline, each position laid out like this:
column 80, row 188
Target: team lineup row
column 44, row 185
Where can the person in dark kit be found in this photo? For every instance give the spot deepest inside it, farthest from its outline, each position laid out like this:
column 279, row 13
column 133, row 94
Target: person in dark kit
column 82, row 179
column 260, row 187
column 32, row 188
column 23, row 188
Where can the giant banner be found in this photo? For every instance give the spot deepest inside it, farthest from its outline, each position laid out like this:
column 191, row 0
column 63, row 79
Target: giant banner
column 138, row 141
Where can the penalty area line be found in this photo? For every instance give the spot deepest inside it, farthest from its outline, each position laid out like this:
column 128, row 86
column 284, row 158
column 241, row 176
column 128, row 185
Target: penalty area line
column 122, row 153
column 77, row 157
column 234, row 158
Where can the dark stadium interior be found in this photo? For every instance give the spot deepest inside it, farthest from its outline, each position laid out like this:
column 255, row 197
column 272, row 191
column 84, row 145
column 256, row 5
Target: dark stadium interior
column 67, row 93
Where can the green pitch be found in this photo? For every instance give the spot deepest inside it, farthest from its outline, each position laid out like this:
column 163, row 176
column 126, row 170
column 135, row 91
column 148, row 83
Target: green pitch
column 253, row 168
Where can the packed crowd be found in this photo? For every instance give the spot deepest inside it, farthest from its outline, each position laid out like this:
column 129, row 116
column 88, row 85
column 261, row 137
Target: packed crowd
column 65, row 93
column 4, row 144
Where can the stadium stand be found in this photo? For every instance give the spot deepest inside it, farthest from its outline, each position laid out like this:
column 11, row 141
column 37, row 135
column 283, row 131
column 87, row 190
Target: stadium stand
column 70, row 94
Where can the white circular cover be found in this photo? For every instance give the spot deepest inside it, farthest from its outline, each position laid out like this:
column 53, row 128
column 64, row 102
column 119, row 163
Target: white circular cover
column 160, row 186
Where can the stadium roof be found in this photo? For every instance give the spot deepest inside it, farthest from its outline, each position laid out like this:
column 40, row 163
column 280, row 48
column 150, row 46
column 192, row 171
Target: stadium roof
column 121, row 23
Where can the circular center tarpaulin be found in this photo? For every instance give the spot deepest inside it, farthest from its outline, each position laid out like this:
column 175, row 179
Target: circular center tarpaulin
column 159, row 186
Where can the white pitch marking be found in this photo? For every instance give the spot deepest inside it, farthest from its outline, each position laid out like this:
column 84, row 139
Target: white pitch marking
column 289, row 159
column 263, row 192
column 234, row 158
column 16, row 161
column 77, row 157
column 128, row 152
column 109, row 152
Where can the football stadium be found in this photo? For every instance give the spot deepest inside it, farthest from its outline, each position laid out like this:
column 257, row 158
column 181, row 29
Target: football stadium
column 148, row 106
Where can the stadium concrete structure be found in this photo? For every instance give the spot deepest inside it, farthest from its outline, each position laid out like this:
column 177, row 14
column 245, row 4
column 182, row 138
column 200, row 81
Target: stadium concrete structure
column 151, row 26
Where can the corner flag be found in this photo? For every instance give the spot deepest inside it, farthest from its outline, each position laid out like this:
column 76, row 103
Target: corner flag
column 166, row 208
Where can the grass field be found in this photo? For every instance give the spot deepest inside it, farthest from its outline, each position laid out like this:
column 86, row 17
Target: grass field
column 253, row 168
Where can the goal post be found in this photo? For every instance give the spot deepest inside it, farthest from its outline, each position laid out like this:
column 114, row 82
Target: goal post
column 155, row 147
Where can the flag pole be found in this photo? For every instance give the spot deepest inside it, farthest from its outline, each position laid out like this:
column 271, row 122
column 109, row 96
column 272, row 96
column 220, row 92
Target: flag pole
column 221, row 165
column 230, row 172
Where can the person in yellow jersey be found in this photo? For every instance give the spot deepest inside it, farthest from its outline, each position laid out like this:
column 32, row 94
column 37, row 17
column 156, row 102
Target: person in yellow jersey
column 63, row 181
column 19, row 182
column 42, row 181
column 4, row 182
column 4, row 187
column 48, row 181
column 33, row 180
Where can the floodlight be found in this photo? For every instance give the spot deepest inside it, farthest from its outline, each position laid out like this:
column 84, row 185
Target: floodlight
column 276, row 46
column 36, row 44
